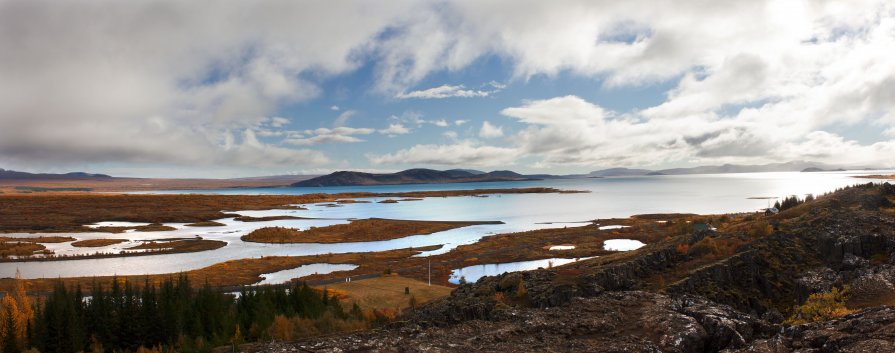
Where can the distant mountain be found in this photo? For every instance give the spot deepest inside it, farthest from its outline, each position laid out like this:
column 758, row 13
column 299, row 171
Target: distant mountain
column 473, row 171
column 793, row 166
column 411, row 176
column 611, row 172
column 814, row 170
column 14, row 175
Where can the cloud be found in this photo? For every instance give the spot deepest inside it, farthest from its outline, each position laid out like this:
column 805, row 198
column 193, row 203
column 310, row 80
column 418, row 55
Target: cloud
column 181, row 82
column 466, row 153
column 395, row 129
column 342, row 119
column 340, row 134
column 444, row 91
column 278, row 122
column 334, row 108
column 490, row 131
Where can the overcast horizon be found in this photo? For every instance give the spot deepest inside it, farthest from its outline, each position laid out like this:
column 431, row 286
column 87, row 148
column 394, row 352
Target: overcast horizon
column 238, row 89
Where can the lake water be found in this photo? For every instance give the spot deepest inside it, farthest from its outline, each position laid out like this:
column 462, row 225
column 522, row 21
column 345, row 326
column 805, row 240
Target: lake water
column 607, row 198
column 474, row 273
column 303, row 270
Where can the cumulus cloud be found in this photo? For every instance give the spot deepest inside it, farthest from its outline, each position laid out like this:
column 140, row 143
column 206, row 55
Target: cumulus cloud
column 490, row 131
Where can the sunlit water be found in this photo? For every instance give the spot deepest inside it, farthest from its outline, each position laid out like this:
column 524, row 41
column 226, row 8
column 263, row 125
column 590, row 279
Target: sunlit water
column 622, row 244
column 473, row 273
column 302, row 271
column 607, row 198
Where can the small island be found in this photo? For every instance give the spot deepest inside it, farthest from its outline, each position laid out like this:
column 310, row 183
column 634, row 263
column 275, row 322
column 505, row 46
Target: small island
column 371, row 229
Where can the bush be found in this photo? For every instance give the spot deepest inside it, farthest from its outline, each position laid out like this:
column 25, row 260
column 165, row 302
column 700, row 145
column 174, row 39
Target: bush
column 821, row 307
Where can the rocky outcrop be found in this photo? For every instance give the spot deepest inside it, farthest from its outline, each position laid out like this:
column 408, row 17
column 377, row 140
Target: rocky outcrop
column 870, row 330
column 630, row 321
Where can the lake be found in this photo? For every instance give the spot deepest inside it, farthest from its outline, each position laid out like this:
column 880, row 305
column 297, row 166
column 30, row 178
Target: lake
column 607, row 198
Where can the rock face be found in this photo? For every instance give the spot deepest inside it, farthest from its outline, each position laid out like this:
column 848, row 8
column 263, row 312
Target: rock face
column 871, row 330
column 630, row 321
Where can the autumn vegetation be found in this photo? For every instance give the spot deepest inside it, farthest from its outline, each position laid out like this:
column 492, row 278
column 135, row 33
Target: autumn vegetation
column 171, row 316
column 821, row 307
column 372, row 229
column 96, row 243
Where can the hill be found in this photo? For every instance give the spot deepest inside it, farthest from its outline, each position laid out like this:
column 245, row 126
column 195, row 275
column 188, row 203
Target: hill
column 411, row 176
column 611, row 172
column 792, row 166
column 14, row 175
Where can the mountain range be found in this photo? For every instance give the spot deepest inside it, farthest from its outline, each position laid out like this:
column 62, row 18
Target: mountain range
column 14, row 175
column 415, row 176
column 792, row 166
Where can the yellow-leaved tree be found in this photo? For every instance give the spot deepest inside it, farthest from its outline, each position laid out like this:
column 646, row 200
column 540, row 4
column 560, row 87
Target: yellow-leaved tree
column 16, row 315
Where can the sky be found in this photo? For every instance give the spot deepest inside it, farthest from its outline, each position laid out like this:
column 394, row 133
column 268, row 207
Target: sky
column 249, row 88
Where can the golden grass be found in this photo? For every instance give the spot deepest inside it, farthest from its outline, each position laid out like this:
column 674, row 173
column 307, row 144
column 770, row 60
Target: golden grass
column 19, row 249
column 41, row 239
column 387, row 292
column 181, row 245
column 95, row 243
column 206, row 224
column 371, row 229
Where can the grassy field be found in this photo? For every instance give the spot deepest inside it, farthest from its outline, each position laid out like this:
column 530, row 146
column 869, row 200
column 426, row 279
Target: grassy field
column 371, row 229
column 387, row 292
column 95, row 243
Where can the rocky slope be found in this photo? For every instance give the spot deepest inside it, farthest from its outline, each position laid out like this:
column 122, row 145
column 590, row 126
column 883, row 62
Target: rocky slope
column 704, row 291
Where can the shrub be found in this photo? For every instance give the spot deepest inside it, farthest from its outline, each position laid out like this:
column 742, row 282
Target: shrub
column 821, row 307
column 760, row 229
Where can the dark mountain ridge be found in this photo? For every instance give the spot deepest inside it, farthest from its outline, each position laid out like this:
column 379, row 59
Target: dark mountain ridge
column 14, row 175
column 413, row 176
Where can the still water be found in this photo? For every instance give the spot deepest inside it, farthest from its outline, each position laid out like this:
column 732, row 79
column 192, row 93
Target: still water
column 607, row 198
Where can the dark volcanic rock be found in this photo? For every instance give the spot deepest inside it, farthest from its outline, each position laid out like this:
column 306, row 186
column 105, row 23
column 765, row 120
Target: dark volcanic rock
column 871, row 330
column 611, row 322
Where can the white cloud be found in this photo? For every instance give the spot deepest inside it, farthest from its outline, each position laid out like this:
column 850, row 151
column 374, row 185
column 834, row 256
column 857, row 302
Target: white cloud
column 395, row 129
column 278, row 122
column 342, row 119
column 460, row 122
column 444, row 91
column 440, row 123
column 340, row 134
column 181, row 82
column 490, row 131
column 464, row 153
column 334, row 108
